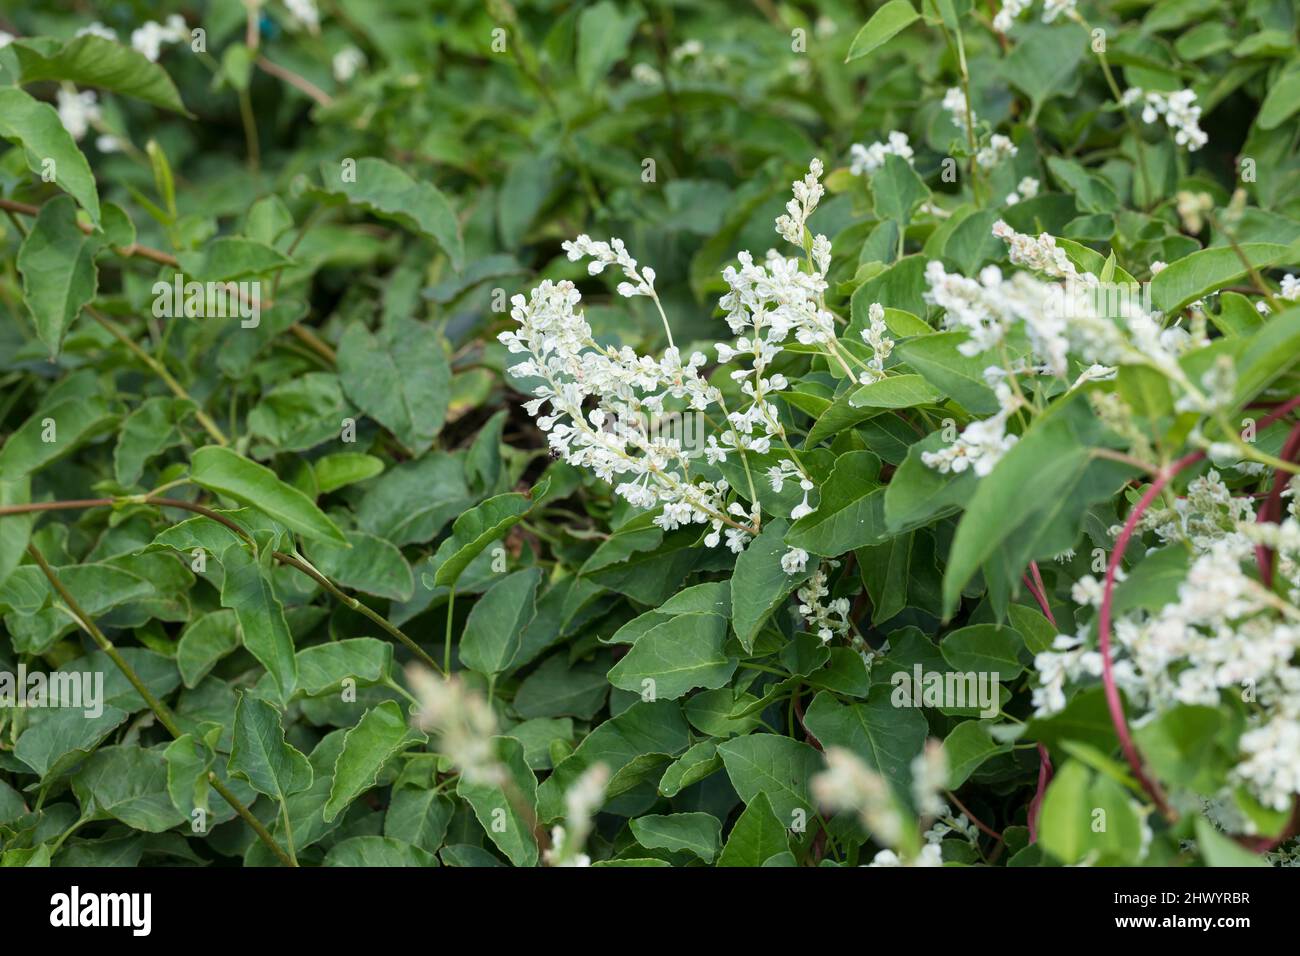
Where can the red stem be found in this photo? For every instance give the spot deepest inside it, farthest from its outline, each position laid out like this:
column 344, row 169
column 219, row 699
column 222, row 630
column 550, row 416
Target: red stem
column 1271, row 509
column 1113, row 702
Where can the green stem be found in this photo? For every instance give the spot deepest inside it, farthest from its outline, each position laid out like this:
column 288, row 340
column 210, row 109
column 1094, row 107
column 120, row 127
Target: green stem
column 161, row 710
column 446, row 647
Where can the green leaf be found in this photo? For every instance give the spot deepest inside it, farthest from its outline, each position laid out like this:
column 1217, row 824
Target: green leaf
column 678, row 655
column 35, row 126
column 476, row 529
column 1004, row 528
column 1044, row 61
column 757, row 836
column 505, row 824
column 1196, row 276
column 604, row 33
column 776, row 766
column 1282, row 101
column 940, row 363
column 368, row 564
column 496, row 624
column 968, row 746
column 381, row 851
column 128, row 784
column 91, row 60
column 399, row 377
column 896, row 391
column 891, row 19
column 345, row 468
column 644, row 728
column 226, row 472
column 984, row 649
column 759, row 585
column 696, row 833
column 919, row 494
column 206, row 640
column 896, row 189
column 60, row 737
column 230, row 258
column 887, row 738
column 57, row 263
column 700, row 761
column 1270, row 351
column 66, row 425
column 380, row 735
column 152, row 428
column 15, row 529
column 1087, row 817
column 1220, row 850
column 188, row 759
column 419, row 817
column 851, row 513
column 323, row 668
column 390, row 193
column 260, row 754
column 411, row 503
column 247, row 590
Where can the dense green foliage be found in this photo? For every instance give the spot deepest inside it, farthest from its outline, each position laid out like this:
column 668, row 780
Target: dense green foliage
column 253, row 523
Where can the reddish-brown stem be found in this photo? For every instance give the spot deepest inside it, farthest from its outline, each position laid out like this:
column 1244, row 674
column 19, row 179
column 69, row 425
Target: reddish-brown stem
column 299, row 83
column 1113, row 702
column 1279, row 411
column 979, row 824
column 798, row 712
column 1271, row 509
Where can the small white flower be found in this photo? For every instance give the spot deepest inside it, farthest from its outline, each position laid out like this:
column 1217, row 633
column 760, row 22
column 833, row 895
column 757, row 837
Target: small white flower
column 347, row 62
column 794, row 561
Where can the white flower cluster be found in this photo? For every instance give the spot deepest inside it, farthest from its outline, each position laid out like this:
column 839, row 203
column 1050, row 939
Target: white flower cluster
column 303, row 13
column 581, row 802
column 1074, row 323
column 149, row 38
column 877, row 336
column 999, row 148
column 1027, row 189
column 346, row 63
column 462, row 721
column 824, row 620
column 614, row 438
column 97, row 29
column 929, row 779
column 981, row 444
column 1061, row 320
column 954, row 101
column 1011, row 9
column 1208, row 514
column 1222, row 636
column 807, row 194
column 764, row 305
column 1177, row 109
column 78, row 111
column 5, row 39
column 868, row 159
column 848, row 783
